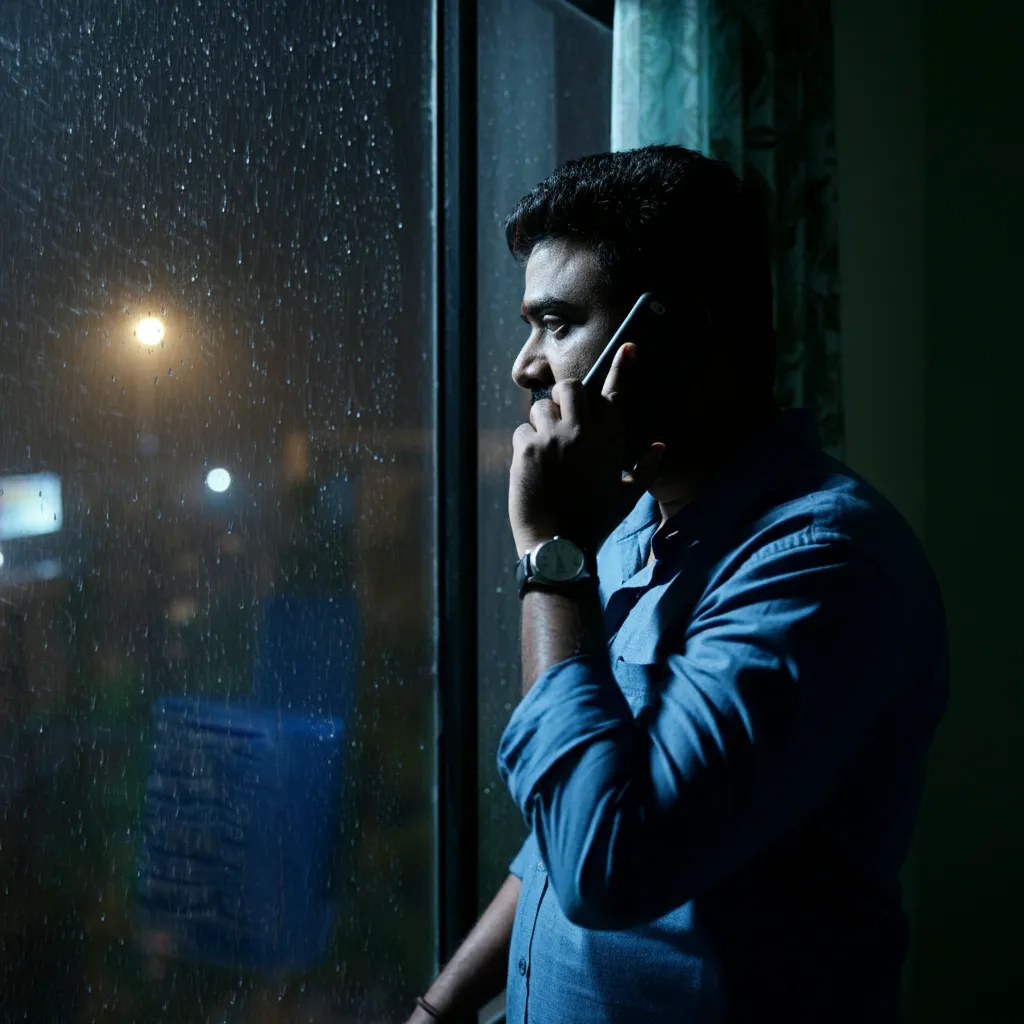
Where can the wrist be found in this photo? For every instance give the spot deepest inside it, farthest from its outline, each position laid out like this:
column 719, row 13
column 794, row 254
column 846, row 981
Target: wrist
column 428, row 1012
column 528, row 541
column 557, row 564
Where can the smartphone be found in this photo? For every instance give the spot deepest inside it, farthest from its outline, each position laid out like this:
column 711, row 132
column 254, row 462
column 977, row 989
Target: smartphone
column 646, row 320
column 645, row 326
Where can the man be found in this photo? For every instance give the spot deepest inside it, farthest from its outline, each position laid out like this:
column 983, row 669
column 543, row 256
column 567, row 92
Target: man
column 725, row 717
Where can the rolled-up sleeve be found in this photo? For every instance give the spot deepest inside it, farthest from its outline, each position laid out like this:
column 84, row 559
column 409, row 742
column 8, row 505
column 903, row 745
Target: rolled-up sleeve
column 771, row 686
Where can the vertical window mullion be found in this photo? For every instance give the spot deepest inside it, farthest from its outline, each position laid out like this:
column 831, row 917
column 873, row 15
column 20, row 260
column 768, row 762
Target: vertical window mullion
column 456, row 440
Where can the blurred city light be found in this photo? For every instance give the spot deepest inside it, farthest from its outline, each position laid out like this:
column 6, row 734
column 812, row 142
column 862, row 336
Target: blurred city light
column 150, row 331
column 30, row 505
column 218, row 480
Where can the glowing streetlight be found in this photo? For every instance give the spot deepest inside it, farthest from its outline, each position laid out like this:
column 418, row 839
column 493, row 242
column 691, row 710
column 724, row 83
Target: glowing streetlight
column 218, row 480
column 150, row 331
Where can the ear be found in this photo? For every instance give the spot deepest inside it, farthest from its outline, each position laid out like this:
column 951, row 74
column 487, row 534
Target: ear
column 643, row 475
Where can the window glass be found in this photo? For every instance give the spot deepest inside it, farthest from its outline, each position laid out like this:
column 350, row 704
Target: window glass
column 544, row 97
column 216, row 510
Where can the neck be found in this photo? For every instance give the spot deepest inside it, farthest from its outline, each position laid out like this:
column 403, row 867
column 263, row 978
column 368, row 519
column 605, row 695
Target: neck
column 684, row 478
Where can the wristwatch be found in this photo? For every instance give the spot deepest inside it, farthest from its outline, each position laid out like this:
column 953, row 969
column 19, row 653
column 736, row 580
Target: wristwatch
column 556, row 564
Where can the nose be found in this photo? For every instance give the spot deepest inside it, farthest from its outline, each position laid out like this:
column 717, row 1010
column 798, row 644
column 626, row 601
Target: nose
column 531, row 370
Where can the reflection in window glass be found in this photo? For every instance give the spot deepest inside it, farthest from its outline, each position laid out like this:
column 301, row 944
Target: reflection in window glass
column 535, row 112
column 216, row 542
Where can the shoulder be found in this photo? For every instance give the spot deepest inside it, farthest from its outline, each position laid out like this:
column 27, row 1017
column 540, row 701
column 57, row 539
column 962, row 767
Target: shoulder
column 826, row 572
column 819, row 513
column 819, row 576
column 816, row 500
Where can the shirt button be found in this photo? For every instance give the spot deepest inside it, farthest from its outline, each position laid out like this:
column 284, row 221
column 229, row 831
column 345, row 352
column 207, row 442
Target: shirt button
column 522, row 965
column 540, row 866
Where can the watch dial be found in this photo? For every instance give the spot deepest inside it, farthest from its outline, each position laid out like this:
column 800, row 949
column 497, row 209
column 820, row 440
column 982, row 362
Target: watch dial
column 559, row 559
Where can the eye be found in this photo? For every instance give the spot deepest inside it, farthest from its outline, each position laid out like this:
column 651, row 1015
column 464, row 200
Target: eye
column 555, row 326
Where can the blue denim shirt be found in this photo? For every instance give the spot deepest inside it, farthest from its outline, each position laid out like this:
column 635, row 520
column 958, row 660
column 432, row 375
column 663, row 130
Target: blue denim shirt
column 720, row 806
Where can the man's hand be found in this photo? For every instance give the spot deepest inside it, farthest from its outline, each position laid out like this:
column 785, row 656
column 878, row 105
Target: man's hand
column 566, row 478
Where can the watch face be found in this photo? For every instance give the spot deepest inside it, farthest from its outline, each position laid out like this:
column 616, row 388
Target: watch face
column 558, row 560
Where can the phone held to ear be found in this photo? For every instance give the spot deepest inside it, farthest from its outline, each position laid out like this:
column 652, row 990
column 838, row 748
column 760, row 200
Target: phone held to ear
column 645, row 326
column 646, row 320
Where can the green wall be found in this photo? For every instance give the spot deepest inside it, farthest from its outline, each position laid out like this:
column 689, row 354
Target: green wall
column 931, row 149
column 971, row 915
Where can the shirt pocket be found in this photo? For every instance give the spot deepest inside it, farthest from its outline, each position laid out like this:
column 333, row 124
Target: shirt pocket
column 641, row 683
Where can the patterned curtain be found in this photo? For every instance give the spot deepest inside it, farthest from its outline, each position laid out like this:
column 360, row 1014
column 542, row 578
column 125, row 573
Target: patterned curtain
column 751, row 82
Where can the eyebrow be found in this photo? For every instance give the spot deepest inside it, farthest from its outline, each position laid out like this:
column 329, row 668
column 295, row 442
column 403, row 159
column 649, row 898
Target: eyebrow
column 547, row 304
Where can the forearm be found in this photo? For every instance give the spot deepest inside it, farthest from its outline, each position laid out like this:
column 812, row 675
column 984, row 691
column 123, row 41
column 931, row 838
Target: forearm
column 477, row 971
column 577, row 765
column 556, row 627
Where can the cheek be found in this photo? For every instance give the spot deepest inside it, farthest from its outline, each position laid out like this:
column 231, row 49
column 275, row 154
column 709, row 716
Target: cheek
column 575, row 362
column 571, row 366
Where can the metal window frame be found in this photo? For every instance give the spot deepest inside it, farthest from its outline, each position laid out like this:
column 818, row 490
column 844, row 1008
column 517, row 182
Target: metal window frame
column 455, row 389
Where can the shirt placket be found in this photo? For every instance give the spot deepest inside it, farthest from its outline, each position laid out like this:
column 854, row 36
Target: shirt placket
column 526, row 962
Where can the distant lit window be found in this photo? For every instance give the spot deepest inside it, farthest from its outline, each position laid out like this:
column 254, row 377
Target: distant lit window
column 30, row 505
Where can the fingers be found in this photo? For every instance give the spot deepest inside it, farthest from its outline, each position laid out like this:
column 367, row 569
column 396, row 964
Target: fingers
column 572, row 400
column 568, row 404
column 523, row 435
column 619, row 376
column 544, row 414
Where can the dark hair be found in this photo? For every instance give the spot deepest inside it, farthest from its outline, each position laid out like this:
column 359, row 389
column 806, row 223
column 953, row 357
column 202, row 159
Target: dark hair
column 665, row 219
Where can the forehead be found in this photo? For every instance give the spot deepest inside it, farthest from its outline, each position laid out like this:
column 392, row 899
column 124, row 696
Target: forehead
column 565, row 269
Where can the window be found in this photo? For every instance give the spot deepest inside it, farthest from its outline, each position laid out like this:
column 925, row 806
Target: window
column 544, row 97
column 219, row 490
column 217, row 659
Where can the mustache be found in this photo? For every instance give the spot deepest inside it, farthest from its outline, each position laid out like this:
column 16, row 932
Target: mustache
column 539, row 394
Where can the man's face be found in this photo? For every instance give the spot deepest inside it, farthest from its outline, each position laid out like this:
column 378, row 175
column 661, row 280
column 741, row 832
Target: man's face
column 569, row 318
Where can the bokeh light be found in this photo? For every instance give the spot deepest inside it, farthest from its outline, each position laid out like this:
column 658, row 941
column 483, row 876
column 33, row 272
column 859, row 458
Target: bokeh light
column 150, row 331
column 218, row 480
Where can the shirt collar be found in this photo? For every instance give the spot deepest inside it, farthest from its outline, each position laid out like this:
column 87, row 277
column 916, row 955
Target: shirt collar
column 727, row 501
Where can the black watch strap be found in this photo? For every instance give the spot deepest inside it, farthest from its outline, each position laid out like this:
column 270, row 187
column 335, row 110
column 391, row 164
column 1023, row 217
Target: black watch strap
column 570, row 588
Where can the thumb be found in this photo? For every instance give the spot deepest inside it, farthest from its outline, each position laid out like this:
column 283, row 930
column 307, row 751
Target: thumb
column 645, row 472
